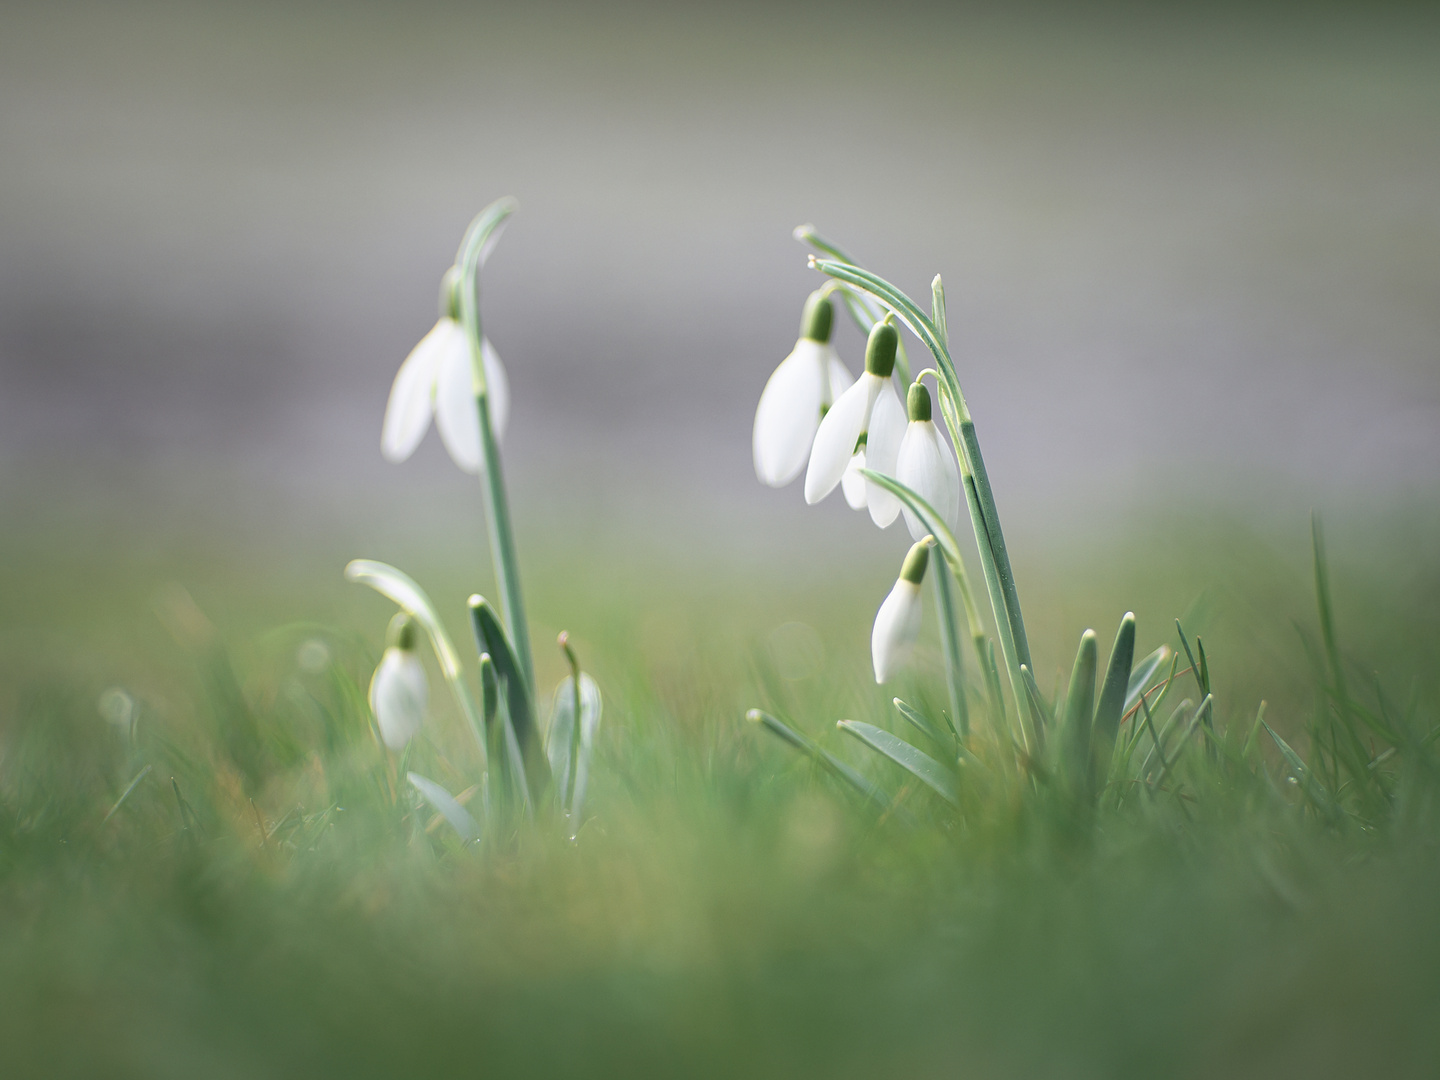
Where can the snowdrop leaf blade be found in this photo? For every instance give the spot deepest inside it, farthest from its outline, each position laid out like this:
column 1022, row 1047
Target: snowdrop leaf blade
column 455, row 407
column 445, row 805
column 490, row 637
column 882, row 450
column 412, row 398
column 948, row 613
column 835, row 440
column 1112, row 696
column 399, row 587
column 1142, row 674
column 1079, row 711
column 788, row 414
column 916, row 762
column 820, row 756
column 920, row 722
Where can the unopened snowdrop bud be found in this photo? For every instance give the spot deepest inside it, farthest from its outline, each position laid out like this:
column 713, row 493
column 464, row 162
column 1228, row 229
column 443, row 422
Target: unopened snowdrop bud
column 871, row 409
column 926, row 466
column 437, row 380
column 798, row 393
column 897, row 623
column 398, row 691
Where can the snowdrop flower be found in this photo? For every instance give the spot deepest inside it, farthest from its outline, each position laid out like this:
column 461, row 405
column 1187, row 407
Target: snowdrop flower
column 398, row 691
column 897, row 623
column 926, row 466
column 863, row 429
column 437, row 380
column 798, row 393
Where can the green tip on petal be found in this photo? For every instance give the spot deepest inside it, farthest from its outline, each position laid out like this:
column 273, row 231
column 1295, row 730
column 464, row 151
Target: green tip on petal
column 450, row 294
column 401, row 633
column 918, row 402
column 880, row 349
column 913, row 569
column 818, row 317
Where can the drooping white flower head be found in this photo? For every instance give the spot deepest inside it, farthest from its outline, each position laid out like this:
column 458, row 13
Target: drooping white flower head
column 897, row 623
column 398, row 690
column 437, row 380
column 867, row 417
column 926, row 465
column 797, row 394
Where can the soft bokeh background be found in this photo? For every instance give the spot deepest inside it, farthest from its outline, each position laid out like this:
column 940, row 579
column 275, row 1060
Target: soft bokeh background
column 1193, row 261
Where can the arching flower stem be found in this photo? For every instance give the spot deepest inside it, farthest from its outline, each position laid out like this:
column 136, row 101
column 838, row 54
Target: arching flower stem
column 989, row 538
column 479, row 237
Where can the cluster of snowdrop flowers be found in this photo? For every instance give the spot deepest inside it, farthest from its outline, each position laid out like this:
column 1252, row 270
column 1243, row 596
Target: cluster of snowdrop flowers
column 814, row 417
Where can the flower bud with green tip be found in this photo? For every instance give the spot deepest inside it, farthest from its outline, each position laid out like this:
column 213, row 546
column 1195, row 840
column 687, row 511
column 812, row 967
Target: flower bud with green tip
column 926, row 465
column 398, row 690
column 797, row 395
column 437, row 379
column 897, row 623
column 871, row 409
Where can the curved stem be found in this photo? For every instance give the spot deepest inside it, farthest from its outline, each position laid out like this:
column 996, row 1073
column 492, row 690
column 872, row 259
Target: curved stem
column 473, row 249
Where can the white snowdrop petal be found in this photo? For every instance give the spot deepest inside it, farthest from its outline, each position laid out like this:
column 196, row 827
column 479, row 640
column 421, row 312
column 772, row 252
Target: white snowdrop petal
column 840, row 377
column 882, row 448
column 835, row 440
column 455, row 414
column 398, row 694
column 412, row 397
column 497, row 385
column 852, row 483
column 927, row 467
column 897, row 626
column 788, row 414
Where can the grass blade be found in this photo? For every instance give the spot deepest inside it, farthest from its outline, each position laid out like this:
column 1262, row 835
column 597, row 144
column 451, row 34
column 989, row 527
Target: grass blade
column 1112, row 698
column 916, row 762
column 445, row 805
column 820, row 756
column 1079, row 711
column 490, row 637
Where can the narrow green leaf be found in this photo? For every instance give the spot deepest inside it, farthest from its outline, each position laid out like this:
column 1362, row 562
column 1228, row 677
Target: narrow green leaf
column 126, row 793
column 916, row 762
column 949, row 618
column 820, row 756
column 922, row 724
column 445, row 805
column 490, row 637
column 1078, row 714
column 1140, row 677
column 1112, row 697
column 1312, row 788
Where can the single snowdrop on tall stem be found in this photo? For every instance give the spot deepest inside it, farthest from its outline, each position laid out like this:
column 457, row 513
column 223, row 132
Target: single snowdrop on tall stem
column 862, row 429
column 897, row 623
column 398, row 690
column 437, row 379
column 797, row 395
column 926, row 465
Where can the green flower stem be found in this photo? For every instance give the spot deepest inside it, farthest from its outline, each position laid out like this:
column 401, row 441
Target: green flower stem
column 478, row 239
column 989, row 538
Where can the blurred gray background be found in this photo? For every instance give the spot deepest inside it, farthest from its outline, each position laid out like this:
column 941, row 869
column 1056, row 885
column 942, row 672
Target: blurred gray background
column 1191, row 259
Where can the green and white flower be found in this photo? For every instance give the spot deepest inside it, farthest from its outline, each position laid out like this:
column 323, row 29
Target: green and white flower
column 897, row 623
column 863, row 429
column 437, row 380
column 398, row 690
column 797, row 395
column 926, row 465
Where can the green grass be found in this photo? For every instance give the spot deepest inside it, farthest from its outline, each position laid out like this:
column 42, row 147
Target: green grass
column 728, row 909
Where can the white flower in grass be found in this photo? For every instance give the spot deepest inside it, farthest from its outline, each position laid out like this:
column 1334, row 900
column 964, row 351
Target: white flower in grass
column 926, row 466
column 437, row 380
column 398, row 691
column 797, row 394
column 897, row 623
column 863, row 429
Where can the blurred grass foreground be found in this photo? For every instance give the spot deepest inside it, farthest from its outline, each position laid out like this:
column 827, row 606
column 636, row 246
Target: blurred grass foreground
column 1192, row 268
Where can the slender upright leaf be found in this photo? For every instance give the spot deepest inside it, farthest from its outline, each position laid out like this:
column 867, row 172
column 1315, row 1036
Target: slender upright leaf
column 916, row 762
